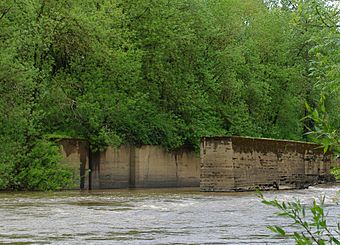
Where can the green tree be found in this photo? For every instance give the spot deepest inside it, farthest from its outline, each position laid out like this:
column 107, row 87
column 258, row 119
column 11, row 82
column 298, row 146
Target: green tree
column 160, row 72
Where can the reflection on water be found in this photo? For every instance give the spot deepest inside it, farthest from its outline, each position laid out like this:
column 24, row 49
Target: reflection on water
column 148, row 216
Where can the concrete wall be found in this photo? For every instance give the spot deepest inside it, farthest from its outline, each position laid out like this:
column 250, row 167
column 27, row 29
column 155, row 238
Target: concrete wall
column 75, row 154
column 111, row 168
column 124, row 167
column 241, row 163
column 156, row 167
column 216, row 165
column 227, row 163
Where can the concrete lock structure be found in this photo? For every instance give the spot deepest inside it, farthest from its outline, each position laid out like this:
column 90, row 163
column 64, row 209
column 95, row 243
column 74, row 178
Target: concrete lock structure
column 131, row 167
column 244, row 163
column 224, row 164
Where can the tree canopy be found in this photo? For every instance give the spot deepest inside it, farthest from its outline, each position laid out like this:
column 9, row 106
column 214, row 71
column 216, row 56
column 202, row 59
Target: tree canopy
column 159, row 72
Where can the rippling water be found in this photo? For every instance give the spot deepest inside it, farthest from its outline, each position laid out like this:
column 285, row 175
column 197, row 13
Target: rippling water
column 148, row 216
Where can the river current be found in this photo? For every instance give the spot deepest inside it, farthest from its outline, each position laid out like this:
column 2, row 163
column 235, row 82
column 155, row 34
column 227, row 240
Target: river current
column 148, row 216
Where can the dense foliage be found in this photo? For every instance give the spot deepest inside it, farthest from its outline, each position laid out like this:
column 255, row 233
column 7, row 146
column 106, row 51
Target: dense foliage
column 158, row 72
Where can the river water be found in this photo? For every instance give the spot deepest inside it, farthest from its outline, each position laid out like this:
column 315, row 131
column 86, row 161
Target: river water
column 147, row 216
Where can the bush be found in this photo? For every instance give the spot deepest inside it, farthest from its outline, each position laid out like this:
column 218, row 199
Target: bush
column 39, row 169
column 45, row 171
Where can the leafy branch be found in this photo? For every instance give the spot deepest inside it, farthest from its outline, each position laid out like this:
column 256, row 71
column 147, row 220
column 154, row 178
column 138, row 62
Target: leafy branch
column 314, row 229
column 323, row 133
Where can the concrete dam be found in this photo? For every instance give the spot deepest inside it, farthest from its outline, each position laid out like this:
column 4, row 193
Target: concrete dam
column 224, row 164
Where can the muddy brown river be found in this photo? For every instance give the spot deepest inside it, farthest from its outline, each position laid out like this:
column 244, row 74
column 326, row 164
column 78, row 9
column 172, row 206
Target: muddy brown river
column 148, row 216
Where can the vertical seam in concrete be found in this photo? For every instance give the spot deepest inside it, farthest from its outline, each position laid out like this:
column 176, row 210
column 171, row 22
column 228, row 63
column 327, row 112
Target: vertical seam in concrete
column 233, row 162
column 90, row 169
column 146, row 177
column 132, row 162
column 202, row 149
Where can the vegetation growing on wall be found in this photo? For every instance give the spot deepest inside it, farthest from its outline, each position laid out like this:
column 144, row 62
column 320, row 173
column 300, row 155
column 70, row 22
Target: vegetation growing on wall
column 159, row 72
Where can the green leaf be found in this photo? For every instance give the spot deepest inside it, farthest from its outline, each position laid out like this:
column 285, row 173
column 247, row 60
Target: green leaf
column 277, row 229
column 280, row 230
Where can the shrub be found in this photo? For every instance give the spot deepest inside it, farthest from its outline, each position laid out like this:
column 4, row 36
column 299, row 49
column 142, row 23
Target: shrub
column 45, row 171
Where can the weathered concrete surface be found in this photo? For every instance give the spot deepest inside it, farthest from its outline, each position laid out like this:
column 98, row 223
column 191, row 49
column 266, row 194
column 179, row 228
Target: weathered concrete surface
column 75, row 154
column 242, row 163
column 127, row 166
column 156, row 167
column 216, row 165
column 111, row 168
column 227, row 163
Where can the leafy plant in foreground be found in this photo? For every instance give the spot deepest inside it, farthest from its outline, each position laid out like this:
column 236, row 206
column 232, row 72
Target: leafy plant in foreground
column 311, row 221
